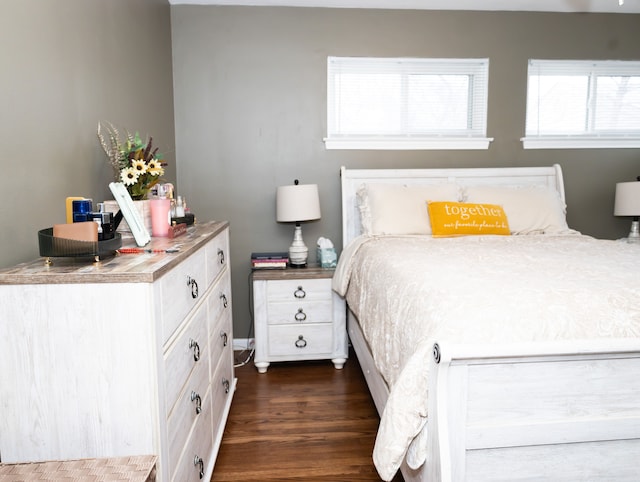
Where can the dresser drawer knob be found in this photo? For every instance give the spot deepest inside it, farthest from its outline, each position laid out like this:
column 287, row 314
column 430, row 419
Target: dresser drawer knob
column 300, row 315
column 195, row 397
column 197, row 461
column 225, row 302
column 299, row 293
column 220, row 256
column 196, row 349
column 226, row 385
column 194, row 286
column 301, row 342
column 225, row 338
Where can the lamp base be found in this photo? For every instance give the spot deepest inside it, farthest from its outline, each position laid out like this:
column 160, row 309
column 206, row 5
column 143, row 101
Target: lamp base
column 634, row 234
column 298, row 251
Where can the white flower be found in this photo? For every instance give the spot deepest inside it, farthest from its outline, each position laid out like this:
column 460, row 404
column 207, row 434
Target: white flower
column 155, row 168
column 139, row 165
column 129, row 176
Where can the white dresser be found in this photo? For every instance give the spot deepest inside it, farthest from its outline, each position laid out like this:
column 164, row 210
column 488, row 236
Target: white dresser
column 128, row 356
column 297, row 316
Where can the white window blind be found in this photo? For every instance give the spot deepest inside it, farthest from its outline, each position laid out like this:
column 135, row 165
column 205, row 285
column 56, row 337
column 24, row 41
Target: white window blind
column 406, row 103
column 582, row 104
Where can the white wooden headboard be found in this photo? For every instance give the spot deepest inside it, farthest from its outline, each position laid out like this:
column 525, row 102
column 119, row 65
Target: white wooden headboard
column 352, row 179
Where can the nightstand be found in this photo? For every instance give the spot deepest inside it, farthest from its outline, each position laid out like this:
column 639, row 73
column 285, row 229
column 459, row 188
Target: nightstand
column 297, row 316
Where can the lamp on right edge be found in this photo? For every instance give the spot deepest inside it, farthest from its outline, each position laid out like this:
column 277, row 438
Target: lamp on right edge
column 628, row 204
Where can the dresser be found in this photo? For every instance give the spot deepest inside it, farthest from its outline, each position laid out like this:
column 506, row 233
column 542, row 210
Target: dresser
column 130, row 355
column 297, row 316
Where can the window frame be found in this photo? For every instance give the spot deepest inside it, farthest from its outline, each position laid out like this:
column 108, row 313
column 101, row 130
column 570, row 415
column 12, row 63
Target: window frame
column 474, row 137
column 591, row 137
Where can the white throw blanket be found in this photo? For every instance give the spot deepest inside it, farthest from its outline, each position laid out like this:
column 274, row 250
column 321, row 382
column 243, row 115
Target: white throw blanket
column 410, row 291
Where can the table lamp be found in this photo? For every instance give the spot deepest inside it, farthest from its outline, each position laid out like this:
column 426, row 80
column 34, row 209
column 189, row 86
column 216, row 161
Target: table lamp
column 628, row 204
column 294, row 204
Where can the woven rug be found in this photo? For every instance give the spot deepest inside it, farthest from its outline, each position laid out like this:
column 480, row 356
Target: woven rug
column 130, row 469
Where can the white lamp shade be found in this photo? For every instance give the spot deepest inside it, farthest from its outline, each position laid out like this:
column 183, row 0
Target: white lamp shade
column 627, row 199
column 298, row 202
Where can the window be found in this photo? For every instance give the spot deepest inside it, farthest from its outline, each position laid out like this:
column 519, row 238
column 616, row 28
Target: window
column 583, row 104
column 403, row 103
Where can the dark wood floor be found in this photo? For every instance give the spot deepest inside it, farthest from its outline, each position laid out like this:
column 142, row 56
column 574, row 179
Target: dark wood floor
column 299, row 421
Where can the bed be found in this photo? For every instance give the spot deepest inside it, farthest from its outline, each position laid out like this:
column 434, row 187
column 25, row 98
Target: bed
column 490, row 357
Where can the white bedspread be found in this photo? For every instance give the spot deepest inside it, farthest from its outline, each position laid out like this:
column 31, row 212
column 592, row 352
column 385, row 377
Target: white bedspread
column 410, row 291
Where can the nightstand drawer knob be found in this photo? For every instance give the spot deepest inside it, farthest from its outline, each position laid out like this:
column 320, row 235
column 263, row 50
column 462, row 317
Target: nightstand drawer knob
column 195, row 397
column 225, row 338
column 301, row 342
column 300, row 315
column 221, row 256
column 226, row 385
column 225, row 302
column 299, row 293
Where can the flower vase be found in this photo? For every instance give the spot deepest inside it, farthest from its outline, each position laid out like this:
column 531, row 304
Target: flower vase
column 143, row 207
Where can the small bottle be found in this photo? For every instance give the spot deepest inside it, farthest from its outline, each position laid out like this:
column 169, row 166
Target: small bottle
column 98, row 221
column 180, row 207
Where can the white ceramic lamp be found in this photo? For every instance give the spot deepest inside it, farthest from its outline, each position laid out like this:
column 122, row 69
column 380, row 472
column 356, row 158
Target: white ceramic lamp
column 628, row 204
column 294, row 204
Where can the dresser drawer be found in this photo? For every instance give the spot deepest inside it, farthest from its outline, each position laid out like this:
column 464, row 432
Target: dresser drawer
column 299, row 290
column 189, row 350
column 221, row 341
column 180, row 290
column 300, row 340
column 217, row 255
column 299, row 312
column 185, row 413
column 220, row 298
column 222, row 385
column 197, row 452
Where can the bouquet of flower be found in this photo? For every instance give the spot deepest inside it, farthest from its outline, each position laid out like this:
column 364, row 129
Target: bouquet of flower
column 135, row 163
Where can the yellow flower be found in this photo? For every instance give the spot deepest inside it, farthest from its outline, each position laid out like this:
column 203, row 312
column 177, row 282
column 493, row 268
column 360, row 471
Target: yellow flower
column 129, row 176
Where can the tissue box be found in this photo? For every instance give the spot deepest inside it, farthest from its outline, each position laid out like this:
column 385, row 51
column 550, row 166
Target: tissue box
column 327, row 257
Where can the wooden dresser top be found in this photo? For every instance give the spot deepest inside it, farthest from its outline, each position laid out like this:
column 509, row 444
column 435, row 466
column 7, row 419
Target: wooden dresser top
column 121, row 268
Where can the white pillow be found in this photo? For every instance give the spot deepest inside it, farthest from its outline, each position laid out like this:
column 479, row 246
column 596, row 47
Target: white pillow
column 529, row 209
column 400, row 209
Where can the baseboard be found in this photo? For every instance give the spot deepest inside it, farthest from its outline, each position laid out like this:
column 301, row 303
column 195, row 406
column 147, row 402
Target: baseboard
column 243, row 343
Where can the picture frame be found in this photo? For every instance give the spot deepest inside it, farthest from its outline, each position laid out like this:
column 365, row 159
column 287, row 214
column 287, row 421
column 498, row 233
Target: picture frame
column 130, row 213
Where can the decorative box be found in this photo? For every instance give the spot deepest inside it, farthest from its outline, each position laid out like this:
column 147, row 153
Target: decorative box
column 327, row 257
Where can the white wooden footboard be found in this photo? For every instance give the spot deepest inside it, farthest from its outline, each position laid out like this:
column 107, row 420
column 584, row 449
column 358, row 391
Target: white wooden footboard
column 550, row 411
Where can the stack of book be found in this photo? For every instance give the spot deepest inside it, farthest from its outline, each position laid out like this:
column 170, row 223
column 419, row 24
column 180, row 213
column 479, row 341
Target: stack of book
column 269, row 260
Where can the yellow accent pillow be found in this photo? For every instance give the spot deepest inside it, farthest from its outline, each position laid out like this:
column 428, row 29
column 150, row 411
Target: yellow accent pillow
column 459, row 219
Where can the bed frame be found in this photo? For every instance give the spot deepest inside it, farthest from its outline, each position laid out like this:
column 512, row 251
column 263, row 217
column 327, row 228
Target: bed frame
column 553, row 411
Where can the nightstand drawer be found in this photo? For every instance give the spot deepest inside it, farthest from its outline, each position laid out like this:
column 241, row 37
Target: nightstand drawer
column 300, row 312
column 300, row 340
column 299, row 290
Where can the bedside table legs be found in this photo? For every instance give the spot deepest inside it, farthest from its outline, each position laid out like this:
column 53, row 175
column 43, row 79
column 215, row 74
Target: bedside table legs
column 339, row 362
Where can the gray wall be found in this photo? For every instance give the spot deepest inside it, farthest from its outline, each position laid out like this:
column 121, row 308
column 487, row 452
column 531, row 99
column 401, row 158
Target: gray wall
column 67, row 64
column 250, row 87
